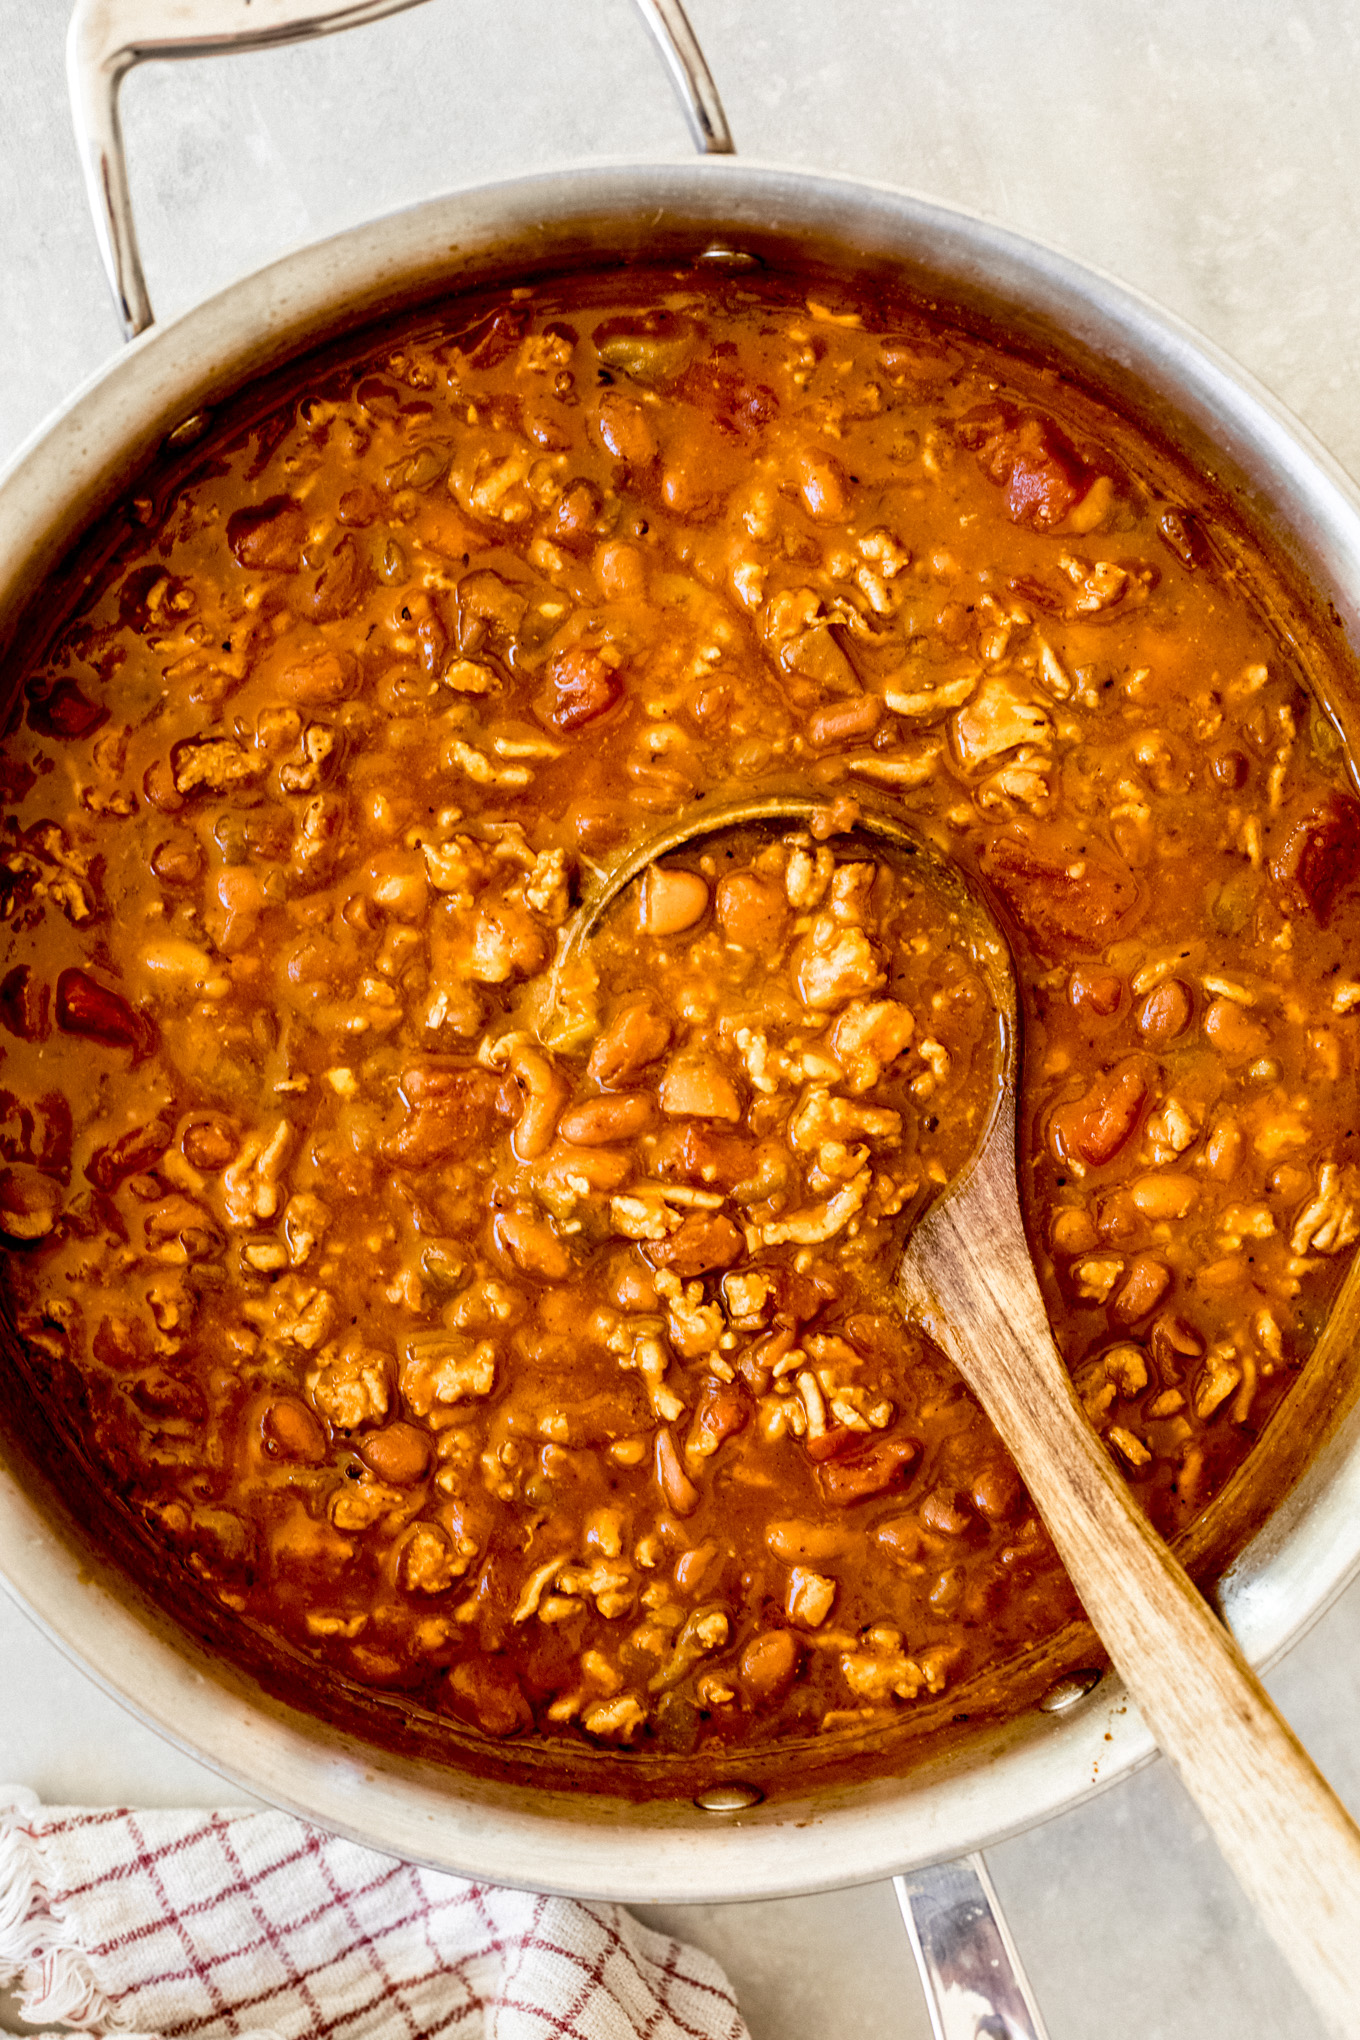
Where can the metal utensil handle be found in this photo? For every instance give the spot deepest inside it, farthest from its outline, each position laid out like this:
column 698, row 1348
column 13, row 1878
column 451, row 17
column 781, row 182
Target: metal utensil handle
column 107, row 37
column 975, row 1986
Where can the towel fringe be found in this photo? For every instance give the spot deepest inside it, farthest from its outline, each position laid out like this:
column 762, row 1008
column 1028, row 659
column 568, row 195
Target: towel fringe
column 40, row 1958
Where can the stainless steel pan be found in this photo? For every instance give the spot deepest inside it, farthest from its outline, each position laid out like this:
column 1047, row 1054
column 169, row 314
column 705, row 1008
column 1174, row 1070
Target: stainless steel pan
column 1284, row 488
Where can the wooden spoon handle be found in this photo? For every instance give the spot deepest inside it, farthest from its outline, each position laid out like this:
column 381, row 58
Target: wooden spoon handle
column 1288, row 1840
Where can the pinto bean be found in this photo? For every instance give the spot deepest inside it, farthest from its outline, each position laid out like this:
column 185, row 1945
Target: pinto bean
column 900, row 1539
column 360, row 507
column 241, row 898
column 1166, row 1193
column 269, row 537
column 735, row 400
column 670, row 900
column 182, row 1221
column 291, row 1431
column 692, row 1566
column 1072, row 1230
column 158, row 784
column 398, row 1453
column 840, row 722
column 532, row 1245
column 830, row 1444
column 797, row 1541
column 63, row 711
column 1026, row 453
column 1223, row 1151
column 544, row 1091
column 620, row 571
column 1164, row 1013
column 1118, row 1219
column 562, row 1168
column 769, row 1665
column 625, row 429
column 177, row 861
column 631, row 1286
column 677, row 1489
column 487, row 604
column 340, row 582
column 544, row 428
column 576, row 516
column 622, row 1116
column 161, row 1394
column 708, row 1157
column 996, row 1492
column 946, row 1511
column 1145, row 1283
column 1173, row 1344
column 686, row 487
column 821, row 484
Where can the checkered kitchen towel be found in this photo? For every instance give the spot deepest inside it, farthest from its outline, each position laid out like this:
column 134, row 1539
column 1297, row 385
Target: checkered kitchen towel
column 251, row 1925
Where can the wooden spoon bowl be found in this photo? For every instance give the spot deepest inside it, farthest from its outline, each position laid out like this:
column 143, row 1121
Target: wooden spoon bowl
column 967, row 1277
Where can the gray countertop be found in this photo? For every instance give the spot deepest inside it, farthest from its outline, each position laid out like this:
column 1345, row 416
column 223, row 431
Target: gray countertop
column 1206, row 155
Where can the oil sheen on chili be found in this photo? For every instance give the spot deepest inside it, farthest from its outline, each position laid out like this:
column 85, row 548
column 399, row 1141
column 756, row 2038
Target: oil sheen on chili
column 532, row 1357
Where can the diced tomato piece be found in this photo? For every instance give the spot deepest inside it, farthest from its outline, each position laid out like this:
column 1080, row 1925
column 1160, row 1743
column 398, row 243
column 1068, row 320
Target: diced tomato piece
column 88, row 1008
column 870, row 1470
column 1321, row 856
column 1032, row 459
column 705, row 1156
column 730, row 398
column 64, row 712
column 584, row 687
column 1064, row 899
column 1096, row 991
column 133, row 1152
column 451, row 1111
column 1094, row 1128
column 723, row 1409
column 706, row 1240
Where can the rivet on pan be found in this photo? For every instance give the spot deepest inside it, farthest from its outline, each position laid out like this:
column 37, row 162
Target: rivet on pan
column 728, row 1798
column 1068, row 1691
column 733, row 258
column 189, row 429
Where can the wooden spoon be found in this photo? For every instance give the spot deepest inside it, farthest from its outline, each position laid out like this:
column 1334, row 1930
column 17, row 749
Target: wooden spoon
column 967, row 1277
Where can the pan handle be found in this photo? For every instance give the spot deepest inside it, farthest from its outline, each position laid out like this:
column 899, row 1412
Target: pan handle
column 107, row 37
column 971, row 1974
